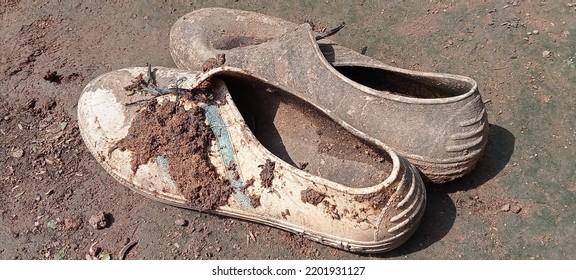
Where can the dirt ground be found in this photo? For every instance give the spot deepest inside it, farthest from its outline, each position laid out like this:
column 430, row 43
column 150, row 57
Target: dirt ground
column 517, row 204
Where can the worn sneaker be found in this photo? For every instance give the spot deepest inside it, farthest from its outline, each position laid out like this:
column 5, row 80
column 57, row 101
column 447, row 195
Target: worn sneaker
column 437, row 121
column 178, row 137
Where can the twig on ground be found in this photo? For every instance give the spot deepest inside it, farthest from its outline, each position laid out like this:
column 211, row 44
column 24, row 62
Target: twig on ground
column 330, row 32
column 126, row 248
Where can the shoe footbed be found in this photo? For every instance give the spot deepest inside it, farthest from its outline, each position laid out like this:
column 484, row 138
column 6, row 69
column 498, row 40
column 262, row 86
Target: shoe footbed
column 306, row 138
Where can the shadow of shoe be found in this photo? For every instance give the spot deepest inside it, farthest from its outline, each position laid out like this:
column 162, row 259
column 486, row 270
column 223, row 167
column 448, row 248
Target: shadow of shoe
column 437, row 221
column 259, row 113
column 441, row 210
column 498, row 152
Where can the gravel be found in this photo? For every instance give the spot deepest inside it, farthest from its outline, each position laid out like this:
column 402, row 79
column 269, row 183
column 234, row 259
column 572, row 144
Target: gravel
column 181, row 222
column 98, row 220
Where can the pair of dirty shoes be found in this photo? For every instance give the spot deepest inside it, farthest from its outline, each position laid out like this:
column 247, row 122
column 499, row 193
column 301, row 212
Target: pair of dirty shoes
column 272, row 126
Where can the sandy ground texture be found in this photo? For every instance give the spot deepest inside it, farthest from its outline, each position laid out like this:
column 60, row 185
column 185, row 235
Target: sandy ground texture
column 58, row 203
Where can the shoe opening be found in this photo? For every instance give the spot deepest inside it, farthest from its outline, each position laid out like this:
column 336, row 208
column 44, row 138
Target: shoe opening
column 404, row 84
column 236, row 41
column 306, row 138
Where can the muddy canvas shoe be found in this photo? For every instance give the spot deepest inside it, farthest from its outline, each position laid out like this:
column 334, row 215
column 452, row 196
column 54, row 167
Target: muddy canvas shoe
column 230, row 144
column 437, row 121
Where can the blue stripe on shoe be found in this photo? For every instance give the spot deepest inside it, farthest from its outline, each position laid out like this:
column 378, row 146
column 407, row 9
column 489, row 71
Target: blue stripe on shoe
column 226, row 152
column 164, row 168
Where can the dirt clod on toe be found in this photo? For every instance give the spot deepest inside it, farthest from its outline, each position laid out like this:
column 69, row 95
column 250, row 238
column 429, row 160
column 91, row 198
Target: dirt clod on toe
column 184, row 139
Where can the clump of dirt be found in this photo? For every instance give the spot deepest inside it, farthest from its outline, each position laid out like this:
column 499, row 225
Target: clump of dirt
column 184, row 139
column 311, row 196
column 331, row 209
column 136, row 84
column 53, row 77
column 267, row 173
column 72, row 224
column 285, row 213
column 212, row 63
column 254, row 200
column 99, row 220
column 248, row 183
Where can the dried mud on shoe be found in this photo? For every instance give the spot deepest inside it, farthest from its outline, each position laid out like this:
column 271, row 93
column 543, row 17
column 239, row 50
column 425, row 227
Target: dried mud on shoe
column 311, row 196
column 183, row 138
column 193, row 147
column 212, row 63
column 267, row 174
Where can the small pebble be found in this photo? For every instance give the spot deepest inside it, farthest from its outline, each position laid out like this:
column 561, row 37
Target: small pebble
column 546, row 54
column 535, row 31
column 516, row 209
column 71, row 224
column 18, row 153
column 505, row 208
column 94, row 251
column 181, row 222
column 98, row 220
